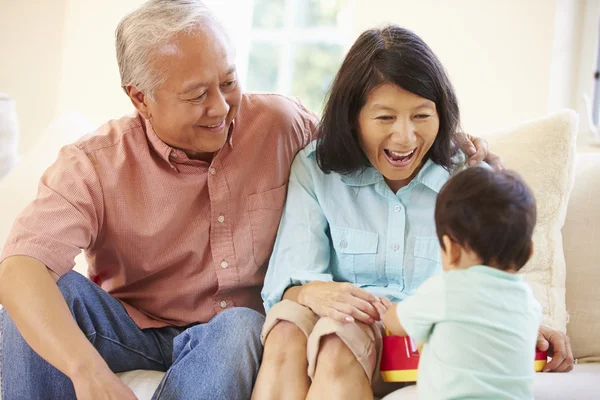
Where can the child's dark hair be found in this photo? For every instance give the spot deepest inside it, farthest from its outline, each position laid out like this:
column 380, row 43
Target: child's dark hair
column 491, row 213
column 390, row 55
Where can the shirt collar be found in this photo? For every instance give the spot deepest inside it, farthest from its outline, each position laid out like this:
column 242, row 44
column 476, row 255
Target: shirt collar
column 368, row 176
column 431, row 175
column 484, row 269
column 168, row 153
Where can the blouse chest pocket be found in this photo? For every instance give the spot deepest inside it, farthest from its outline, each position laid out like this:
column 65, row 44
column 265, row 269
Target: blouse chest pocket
column 356, row 253
column 428, row 260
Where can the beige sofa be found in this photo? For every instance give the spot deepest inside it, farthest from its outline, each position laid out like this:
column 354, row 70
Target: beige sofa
column 582, row 252
column 581, row 237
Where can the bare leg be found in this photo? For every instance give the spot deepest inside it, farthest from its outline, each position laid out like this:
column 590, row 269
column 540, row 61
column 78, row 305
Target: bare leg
column 283, row 372
column 338, row 374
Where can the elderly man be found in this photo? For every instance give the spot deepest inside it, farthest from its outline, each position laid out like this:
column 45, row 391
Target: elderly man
column 176, row 208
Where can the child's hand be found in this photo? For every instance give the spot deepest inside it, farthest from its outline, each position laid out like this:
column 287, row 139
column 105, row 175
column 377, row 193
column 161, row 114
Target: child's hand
column 381, row 309
column 386, row 302
column 383, row 306
column 390, row 318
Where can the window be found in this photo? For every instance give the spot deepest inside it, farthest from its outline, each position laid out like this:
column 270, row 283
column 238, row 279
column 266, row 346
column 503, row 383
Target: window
column 596, row 108
column 589, row 72
column 296, row 47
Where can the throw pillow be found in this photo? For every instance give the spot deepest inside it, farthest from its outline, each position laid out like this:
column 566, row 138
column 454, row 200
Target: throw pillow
column 543, row 152
column 582, row 252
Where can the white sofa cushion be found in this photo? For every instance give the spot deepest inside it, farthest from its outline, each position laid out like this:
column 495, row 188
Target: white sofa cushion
column 582, row 253
column 580, row 384
column 543, row 152
column 143, row 382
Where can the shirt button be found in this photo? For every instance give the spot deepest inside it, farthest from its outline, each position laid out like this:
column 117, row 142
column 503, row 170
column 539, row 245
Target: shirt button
column 223, row 304
column 221, row 219
column 343, row 244
column 397, row 208
column 224, row 264
column 395, row 247
column 212, row 171
column 172, row 153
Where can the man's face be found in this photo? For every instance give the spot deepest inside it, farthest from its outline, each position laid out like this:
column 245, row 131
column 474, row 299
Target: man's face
column 194, row 107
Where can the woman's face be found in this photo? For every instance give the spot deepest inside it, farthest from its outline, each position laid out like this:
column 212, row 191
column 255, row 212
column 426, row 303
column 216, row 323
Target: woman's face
column 396, row 130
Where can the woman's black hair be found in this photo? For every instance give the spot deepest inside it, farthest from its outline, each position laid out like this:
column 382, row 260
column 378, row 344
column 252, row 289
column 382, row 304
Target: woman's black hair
column 390, row 55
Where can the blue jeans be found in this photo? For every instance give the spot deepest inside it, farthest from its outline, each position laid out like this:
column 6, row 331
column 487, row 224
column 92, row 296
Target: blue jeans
column 215, row 360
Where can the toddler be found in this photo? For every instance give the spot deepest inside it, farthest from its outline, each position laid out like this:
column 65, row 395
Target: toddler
column 478, row 320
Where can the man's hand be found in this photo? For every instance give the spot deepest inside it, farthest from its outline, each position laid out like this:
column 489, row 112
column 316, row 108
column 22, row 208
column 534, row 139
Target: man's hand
column 341, row 301
column 103, row 385
column 477, row 151
column 558, row 346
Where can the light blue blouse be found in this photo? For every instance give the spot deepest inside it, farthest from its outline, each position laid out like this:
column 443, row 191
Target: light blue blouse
column 355, row 229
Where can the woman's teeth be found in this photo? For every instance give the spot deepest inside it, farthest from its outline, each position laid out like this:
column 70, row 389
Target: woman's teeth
column 397, row 156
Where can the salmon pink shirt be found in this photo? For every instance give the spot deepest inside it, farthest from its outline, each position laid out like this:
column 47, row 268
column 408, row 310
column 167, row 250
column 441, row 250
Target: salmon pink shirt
column 175, row 240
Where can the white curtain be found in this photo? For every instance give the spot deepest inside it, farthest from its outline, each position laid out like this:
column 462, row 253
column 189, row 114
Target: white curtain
column 9, row 135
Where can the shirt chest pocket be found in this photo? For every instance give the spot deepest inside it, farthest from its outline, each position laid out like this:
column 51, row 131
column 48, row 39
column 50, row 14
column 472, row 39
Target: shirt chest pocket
column 356, row 255
column 428, row 260
column 265, row 211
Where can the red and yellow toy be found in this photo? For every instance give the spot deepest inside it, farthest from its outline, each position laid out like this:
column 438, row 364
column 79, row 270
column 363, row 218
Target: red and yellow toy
column 400, row 359
column 541, row 357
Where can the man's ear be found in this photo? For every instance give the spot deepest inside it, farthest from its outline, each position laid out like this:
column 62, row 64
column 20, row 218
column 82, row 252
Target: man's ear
column 453, row 250
column 139, row 100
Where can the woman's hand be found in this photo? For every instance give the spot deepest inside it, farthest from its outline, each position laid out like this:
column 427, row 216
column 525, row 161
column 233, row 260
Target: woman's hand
column 477, row 151
column 341, row 301
column 559, row 348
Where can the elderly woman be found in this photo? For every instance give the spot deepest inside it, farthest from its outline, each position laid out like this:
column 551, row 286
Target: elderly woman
column 358, row 223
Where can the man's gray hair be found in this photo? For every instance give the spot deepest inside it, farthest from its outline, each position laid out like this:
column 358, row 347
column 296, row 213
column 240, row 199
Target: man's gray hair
column 148, row 28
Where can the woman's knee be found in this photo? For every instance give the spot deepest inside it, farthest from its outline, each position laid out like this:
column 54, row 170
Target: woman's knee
column 333, row 355
column 285, row 330
column 336, row 361
column 285, row 337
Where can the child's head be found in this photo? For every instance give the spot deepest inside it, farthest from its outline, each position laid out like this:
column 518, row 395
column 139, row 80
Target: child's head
column 485, row 217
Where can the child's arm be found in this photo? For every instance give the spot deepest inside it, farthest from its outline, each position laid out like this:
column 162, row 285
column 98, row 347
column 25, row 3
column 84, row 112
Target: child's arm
column 416, row 315
column 392, row 322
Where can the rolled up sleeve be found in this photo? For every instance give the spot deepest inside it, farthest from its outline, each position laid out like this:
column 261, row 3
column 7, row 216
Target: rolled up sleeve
column 64, row 218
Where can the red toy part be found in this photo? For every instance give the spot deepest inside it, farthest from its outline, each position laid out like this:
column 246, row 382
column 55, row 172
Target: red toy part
column 541, row 357
column 399, row 359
